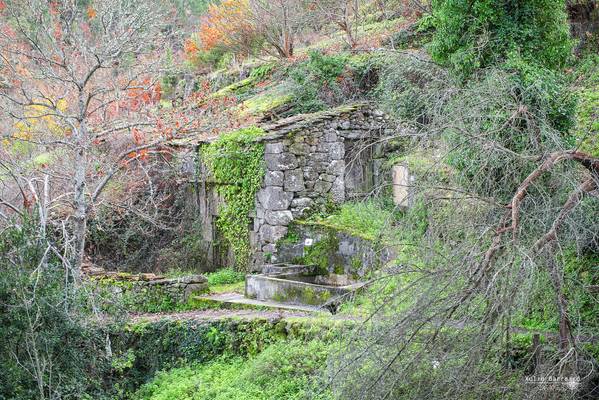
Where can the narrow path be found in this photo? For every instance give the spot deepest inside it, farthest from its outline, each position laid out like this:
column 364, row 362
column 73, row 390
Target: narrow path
column 214, row 315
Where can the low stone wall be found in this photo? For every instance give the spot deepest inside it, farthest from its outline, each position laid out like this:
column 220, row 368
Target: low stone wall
column 146, row 292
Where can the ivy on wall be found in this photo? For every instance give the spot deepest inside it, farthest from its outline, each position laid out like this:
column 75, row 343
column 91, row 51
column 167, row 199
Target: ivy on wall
column 235, row 161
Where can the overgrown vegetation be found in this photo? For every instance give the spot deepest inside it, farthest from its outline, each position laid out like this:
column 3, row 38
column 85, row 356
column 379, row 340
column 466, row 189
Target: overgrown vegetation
column 479, row 34
column 284, row 370
column 235, row 162
column 225, row 276
column 51, row 347
column 494, row 273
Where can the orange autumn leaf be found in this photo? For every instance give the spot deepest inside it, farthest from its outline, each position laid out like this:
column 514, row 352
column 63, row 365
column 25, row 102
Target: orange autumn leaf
column 91, row 13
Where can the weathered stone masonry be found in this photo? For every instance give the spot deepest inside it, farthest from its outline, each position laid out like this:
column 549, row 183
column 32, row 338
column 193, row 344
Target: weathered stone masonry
column 310, row 160
column 324, row 157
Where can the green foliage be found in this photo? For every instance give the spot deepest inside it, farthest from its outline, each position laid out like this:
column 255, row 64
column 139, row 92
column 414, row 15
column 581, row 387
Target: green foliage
column 286, row 370
column 144, row 348
column 368, row 219
column 527, row 113
column 236, row 163
column 225, row 276
column 48, row 349
column 412, row 89
column 587, row 118
column 581, row 273
column 544, row 91
column 317, row 81
column 481, row 33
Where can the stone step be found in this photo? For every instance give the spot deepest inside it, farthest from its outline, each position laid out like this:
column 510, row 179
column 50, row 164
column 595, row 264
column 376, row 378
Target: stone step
column 236, row 300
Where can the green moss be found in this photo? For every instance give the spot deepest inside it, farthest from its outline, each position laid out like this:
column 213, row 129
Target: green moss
column 265, row 102
column 304, row 295
column 367, row 220
column 257, row 75
column 235, row 161
column 322, row 254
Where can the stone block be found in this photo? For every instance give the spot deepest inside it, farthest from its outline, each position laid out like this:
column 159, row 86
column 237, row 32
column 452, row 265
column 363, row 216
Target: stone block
column 299, row 148
column 272, row 233
column 274, row 198
column 193, row 279
column 301, row 202
column 336, row 151
column 322, row 186
column 310, row 174
column 278, row 217
column 294, row 180
column 274, row 178
column 269, row 248
column 274, row 148
column 336, row 167
column 330, row 136
column 338, row 190
column 280, row 162
column 401, row 186
column 318, row 157
column 327, row 177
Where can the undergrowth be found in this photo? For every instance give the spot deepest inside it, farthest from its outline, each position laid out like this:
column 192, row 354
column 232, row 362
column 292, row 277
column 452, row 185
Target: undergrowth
column 286, row 370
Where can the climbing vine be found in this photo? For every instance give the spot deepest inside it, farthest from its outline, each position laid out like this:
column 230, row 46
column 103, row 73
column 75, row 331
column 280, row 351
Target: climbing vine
column 235, row 161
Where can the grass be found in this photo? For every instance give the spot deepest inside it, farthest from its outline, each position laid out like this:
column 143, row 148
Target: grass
column 225, row 276
column 237, row 287
column 368, row 220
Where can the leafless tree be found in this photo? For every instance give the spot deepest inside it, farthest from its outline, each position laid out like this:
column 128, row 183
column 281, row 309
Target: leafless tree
column 345, row 14
column 280, row 21
column 82, row 81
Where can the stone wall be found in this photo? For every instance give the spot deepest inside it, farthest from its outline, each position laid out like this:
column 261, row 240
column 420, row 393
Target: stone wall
column 145, row 292
column 310, row 160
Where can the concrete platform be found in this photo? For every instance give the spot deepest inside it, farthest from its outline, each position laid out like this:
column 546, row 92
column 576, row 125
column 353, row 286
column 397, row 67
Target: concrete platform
column 239, row 299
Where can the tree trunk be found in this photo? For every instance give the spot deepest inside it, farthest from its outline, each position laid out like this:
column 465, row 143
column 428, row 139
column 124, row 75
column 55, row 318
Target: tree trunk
column 79, row 200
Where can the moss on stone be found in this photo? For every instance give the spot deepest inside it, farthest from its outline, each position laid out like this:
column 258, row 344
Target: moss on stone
column 265, row 102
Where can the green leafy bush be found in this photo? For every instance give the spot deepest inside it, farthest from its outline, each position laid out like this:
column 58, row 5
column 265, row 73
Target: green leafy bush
column 481, row 33
column 224, row 276
column 587, row 117
column 499, row 114
column 412, row 88
column 317, row 81
column 48, row 348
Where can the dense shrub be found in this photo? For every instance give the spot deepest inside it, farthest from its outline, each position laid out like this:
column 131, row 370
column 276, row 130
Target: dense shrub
column 49, row 350
column 481, row 33
column 412, row 88
column 323, row 81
